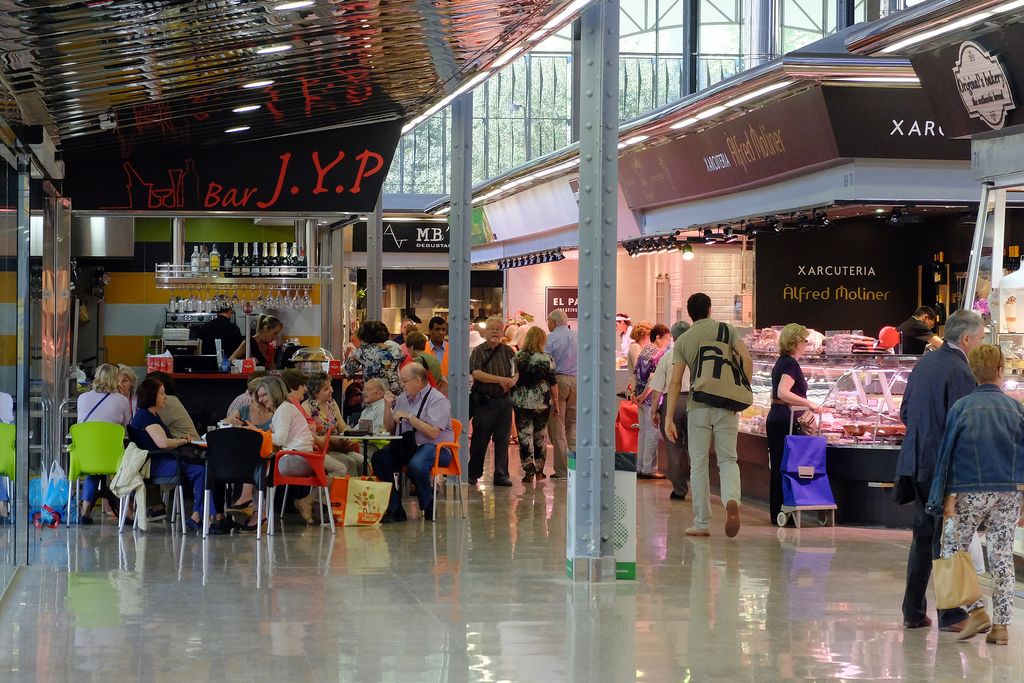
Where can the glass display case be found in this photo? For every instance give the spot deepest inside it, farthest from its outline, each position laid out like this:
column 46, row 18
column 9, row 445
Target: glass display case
column 861, row 396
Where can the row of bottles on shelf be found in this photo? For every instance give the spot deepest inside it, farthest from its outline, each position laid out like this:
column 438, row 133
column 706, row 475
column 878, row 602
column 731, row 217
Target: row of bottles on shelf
column 288, row 260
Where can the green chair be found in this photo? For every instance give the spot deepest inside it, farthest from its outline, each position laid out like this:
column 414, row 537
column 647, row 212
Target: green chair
column 96, row 448
column 8, row 460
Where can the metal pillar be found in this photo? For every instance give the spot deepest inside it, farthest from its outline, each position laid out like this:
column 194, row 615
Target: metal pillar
column 19, row 509
column 460, row 220
column 593, row 551
column 178, row 254
column 759, row 42
column 974, row 265
column 845, row 14
column 574, row 104
column 375, row 260
column 691, row 45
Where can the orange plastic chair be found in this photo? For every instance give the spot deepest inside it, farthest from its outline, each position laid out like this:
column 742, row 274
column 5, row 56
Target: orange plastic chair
column 317, row 480
column 452, row 469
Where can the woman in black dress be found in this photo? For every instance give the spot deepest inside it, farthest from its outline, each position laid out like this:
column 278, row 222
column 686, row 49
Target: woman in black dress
column 789, row 390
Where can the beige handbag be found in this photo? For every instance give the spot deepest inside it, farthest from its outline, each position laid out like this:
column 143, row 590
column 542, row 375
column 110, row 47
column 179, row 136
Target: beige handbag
column 956, row 580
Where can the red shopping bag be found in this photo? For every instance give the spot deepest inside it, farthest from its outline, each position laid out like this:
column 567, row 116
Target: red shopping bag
column 627, row 427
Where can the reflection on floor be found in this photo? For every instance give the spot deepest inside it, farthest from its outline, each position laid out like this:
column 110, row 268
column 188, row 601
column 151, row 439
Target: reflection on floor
column 484, row 599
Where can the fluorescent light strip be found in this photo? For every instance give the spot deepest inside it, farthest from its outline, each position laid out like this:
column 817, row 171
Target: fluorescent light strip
column 246, row 108
column 510, row 55
column 684, row 123
column 562, row 17
column 258, row 84
column 761, row 92
column 468, row 85
column 963, row 22
column 271, row 49
column 635, row 140
column 912, row 80
column 297, row 4
column 708, row 113
column 237, row 129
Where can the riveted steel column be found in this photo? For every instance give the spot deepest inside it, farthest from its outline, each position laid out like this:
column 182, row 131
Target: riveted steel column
column 460, row 222
column 19, row 508
column 375, row 260
column 593, row 552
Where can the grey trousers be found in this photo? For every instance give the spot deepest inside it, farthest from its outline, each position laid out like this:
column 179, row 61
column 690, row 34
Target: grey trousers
column 678, row 456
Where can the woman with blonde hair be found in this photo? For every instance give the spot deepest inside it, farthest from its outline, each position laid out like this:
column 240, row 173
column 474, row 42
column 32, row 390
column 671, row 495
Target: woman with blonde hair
column 261, row 347
column 103, row 403
column 789, row 390
column 532, row 398
column 978, row 476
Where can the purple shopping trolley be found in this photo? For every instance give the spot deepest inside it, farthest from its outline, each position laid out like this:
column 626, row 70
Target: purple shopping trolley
column 805, row 485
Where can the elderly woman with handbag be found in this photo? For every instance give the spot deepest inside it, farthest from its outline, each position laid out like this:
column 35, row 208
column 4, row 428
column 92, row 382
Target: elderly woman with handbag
column 978, row 473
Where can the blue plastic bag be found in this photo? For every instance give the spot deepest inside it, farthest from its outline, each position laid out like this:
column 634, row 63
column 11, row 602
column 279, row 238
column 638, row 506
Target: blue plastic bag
column 55, row 501
column 35, row 496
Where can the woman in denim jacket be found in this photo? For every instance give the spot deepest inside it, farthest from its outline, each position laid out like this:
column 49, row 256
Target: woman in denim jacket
column 978, row 476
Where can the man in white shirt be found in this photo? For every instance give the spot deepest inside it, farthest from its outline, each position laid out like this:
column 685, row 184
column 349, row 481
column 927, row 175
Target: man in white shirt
column 678, row 457
column 623, row 330
column 376, row 404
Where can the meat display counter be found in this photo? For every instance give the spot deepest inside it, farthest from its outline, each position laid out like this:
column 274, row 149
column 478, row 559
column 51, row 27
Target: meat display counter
column 861, row 394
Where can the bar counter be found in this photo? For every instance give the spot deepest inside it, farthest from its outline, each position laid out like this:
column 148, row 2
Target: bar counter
column 207, row 396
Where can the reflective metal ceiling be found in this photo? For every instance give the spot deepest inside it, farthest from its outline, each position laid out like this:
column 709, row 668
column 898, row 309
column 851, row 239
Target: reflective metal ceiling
column 171, row 74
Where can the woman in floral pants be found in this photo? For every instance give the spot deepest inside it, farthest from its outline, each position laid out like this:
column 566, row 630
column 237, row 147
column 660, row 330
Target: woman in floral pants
column 978, row 473
column 532, row 398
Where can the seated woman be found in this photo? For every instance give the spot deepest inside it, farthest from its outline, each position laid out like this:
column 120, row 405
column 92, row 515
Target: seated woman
column 104, row 403
column 149, row 433
column 127, row 380
column 250, row 413
column 321, row 406
column 291, row 432
column 243, row 399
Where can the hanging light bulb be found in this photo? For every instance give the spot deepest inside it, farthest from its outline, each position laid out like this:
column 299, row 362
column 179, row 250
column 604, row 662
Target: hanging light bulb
column 688, row 253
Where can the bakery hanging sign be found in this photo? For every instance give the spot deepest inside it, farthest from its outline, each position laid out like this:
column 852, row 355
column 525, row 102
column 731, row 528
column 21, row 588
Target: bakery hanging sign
column 983, row 85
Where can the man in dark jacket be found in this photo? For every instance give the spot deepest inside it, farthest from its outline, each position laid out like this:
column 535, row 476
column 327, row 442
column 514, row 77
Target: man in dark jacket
column 936, row 383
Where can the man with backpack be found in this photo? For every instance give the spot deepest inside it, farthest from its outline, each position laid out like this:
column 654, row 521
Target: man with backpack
column 720, row 371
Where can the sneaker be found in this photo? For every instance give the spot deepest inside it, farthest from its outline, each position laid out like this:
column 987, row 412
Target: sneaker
column 503, row 482
column 472, row 481
column 559, row 477
column 84, row 519
column 193, row 524
column 677, row 496
column 732, row 518
column 697, row 531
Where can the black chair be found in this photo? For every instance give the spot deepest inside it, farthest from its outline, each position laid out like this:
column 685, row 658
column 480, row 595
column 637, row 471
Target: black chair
column 233, row 457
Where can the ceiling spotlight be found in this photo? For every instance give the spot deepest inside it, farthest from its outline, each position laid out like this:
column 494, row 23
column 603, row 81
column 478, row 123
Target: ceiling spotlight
column 258, row 84
column 108, row 121
column 708, row 233
column 688, row 253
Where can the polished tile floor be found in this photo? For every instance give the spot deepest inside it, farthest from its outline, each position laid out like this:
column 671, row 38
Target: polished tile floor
column 484, row 599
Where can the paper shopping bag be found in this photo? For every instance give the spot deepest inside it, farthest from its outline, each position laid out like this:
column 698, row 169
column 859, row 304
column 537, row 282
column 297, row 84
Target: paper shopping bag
column 359, row 501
